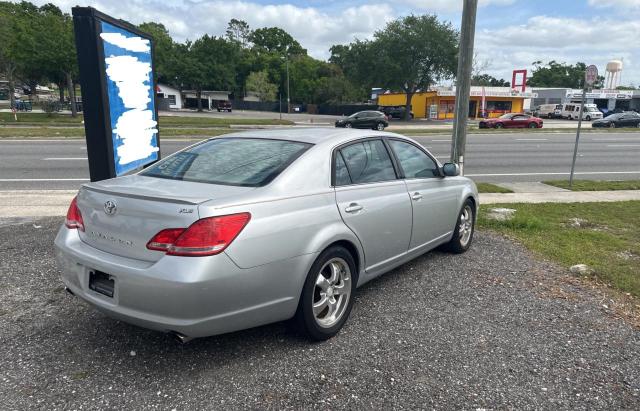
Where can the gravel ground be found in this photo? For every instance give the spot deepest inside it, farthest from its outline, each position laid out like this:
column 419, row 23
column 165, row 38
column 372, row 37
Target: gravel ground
column 492, row 328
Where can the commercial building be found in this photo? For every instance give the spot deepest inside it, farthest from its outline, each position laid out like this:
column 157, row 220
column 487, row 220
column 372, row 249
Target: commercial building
column 439, row 103
column 606, row 100
column 168, row 97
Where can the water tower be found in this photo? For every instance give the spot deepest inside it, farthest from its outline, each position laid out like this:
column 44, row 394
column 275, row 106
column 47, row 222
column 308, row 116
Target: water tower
column 614, row 70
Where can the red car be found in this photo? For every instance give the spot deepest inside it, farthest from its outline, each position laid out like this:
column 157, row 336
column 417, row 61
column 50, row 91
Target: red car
column 512, row 120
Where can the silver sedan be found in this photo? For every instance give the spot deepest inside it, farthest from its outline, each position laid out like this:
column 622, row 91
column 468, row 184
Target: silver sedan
column 260, row 226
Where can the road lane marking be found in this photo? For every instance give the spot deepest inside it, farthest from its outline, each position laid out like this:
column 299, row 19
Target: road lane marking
column 623, row 145
column 64, row 158
column 11, row 180
column 441, row 141
column 532, row 139
column 551, row 174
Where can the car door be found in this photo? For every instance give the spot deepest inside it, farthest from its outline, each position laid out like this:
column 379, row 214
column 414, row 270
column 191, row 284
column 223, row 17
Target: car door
column 434, row 199
column 360, row 120
column 372, row 201
column 520, row 121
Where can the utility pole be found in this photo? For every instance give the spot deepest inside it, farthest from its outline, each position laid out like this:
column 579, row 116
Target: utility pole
column 288, row 93
column 463, row 82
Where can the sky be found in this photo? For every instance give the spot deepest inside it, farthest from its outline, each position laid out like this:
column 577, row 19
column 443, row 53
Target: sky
column 510, row 34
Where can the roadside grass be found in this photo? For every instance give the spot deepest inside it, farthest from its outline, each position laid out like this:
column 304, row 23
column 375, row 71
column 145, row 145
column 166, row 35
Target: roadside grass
column 595, row 185
column 78, row 132
column 166, row 121
column 491, row 188
column 607, row 238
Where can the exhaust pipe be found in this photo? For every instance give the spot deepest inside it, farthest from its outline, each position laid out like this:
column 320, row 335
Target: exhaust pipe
column 180, row 337
column 67, row 289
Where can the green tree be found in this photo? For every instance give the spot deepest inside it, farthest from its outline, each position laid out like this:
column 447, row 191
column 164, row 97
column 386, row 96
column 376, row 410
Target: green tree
column 209, row 62
column 8, row 45
column 275, row 40
column 554, row 74
column 259, row 83
column 238, row 31
column 488, row 81
column 410, row 54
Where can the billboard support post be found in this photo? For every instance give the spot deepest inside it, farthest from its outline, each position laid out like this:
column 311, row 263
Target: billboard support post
column 115, row 62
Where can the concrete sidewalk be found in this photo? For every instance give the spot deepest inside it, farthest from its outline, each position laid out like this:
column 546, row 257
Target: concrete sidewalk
column 43, row 203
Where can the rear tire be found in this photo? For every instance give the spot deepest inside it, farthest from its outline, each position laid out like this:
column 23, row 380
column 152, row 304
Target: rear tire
column 464, row 229
column 327, row 295
column 533, row 125
column 549, row 115
column 380, row 127
column 588, row 118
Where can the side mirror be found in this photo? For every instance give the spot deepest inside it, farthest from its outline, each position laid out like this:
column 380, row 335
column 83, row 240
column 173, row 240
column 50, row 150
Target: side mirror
column 451, row 169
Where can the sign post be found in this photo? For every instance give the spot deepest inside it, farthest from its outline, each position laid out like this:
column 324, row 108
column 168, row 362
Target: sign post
column 590, row 77
column 115, row 61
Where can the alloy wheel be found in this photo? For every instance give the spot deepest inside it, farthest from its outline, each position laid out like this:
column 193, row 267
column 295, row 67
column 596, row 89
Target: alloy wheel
column 348, row 125
column 380, row 127
column 465, row 227
column 332, row 292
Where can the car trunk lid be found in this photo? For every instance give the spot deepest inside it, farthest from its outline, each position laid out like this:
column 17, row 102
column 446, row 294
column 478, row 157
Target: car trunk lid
column 121, row 215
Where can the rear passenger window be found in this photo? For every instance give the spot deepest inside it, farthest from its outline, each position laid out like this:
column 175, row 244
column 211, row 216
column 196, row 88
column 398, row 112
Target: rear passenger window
column 414, row 162
column 342, row 174
column 368, row 162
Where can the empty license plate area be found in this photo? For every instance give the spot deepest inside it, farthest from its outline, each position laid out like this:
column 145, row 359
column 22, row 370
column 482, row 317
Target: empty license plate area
column 102, row 283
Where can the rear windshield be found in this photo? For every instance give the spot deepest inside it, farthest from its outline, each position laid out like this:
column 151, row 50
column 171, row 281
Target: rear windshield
column 244, row 162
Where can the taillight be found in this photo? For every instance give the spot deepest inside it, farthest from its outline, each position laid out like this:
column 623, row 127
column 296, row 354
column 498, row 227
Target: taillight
column 74, row 217
column 164, row 239
column 207, row 236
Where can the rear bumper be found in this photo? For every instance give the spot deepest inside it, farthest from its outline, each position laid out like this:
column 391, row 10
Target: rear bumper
column 195, row 296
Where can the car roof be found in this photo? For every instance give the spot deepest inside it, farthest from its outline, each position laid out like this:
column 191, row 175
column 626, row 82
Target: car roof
column 312, row 135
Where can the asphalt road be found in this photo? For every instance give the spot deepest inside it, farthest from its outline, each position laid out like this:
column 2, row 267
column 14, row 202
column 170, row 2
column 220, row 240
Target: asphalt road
column 488, row 329
column 46, row 164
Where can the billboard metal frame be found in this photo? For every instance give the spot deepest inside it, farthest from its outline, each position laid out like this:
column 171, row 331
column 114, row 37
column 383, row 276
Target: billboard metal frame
column 95, row 96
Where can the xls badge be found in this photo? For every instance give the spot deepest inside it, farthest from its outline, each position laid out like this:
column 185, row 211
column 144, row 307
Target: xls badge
column 110, row 207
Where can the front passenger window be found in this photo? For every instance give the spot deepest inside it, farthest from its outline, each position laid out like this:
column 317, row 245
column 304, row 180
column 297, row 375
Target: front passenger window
column 414, row 162
column 368, row 161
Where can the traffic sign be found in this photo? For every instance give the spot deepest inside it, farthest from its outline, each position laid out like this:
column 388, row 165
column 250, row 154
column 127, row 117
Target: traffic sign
column 591, row 75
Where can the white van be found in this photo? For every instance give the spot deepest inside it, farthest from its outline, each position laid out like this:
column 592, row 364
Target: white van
column 548, row 110
column 571, row 111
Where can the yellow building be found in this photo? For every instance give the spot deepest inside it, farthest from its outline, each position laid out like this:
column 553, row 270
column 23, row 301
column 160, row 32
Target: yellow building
column 439, row 104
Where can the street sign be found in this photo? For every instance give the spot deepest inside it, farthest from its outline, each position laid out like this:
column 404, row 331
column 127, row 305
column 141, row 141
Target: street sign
column 115, row 62
column 591, row 75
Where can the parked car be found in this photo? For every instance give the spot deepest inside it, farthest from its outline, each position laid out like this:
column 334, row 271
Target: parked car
column 548, row 111
column 571, row 111
column 364, row 119
column 395, row 112
column 626, row 119
column 224, row 106
column 512, row 120
column 260, row 226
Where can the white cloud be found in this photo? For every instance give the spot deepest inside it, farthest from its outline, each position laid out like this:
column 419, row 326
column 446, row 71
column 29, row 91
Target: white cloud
column 567, row 40
column 622, row 5
column 316, row 30
column 451, row 5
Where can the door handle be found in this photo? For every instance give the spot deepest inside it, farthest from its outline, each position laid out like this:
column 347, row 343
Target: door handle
column 416, row 196
column 353, row 208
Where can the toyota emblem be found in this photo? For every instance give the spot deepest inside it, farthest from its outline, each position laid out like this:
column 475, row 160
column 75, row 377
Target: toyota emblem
column 110, row 207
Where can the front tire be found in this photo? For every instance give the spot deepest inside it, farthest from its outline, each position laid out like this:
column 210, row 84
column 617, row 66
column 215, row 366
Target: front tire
column 327, row 294
column 465, row 227
column 499, row 125
column 588, row 118
column 348, row 125
column 612, row 125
